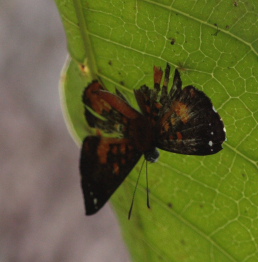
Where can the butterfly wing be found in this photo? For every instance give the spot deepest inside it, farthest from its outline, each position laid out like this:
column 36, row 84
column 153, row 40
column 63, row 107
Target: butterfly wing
column 188, row 123
column 108, row 112
column 104, row 164
column 106, row 161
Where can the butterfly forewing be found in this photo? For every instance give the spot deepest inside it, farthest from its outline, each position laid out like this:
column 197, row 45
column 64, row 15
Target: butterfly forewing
column 105, row 163
column 189, row 124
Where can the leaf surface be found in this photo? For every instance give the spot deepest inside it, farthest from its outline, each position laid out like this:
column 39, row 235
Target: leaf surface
column 202, row 208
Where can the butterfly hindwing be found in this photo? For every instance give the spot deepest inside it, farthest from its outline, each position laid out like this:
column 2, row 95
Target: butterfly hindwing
column 106, row 111
column 104, row 164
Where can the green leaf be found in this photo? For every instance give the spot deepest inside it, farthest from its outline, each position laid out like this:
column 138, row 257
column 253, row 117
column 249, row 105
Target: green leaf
column 202, row 208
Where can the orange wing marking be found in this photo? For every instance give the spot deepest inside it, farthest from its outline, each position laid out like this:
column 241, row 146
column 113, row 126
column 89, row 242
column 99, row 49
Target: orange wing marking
column 104, row 148
column 116, row 169
column 182, row 110
column 119, row 104
column 158, row 73
column 179, row 136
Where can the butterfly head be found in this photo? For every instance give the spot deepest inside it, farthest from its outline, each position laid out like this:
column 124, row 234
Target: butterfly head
column 152, row 155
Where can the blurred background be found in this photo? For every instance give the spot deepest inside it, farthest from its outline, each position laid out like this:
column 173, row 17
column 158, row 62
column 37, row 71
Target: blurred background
column 41, row 205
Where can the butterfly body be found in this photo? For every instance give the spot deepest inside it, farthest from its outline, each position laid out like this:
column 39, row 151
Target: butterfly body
column 176, row 120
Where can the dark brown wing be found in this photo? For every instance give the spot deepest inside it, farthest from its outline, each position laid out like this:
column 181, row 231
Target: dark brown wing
column 104, row 164
column 191, row 126
column 184, row 120
column 105, row 161
column 188, row 123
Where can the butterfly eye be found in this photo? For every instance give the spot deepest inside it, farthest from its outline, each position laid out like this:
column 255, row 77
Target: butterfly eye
column 152, row 155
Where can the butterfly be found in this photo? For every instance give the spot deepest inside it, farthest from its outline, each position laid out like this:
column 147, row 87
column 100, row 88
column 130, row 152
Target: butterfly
column 177, row 120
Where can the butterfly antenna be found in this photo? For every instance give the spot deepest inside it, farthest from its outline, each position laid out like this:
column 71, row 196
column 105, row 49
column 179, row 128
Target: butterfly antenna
column 131, row 208
column 147, row 184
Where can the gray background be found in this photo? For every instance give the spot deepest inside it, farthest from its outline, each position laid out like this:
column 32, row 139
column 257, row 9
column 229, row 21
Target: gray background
column 41, row 206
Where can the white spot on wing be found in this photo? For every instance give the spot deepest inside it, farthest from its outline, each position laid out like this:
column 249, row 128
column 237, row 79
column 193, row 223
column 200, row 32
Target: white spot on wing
column 213, row 108
column 212, row 133
column 95, row 201
column 210, row 143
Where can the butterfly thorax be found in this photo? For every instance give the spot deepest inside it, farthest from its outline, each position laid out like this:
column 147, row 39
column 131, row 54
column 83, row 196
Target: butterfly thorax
column 142, row 135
